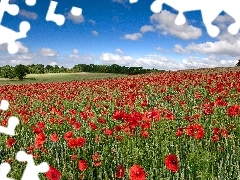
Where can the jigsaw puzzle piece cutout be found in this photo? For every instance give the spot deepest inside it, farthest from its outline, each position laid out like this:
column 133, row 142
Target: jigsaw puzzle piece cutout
column 76, row 11
column 9, row 36
column 12, row 9
column 30, row 2
column 4, row 170
column 10, row 129
column 133, row 1
column 209, row 14
column 31, row 171
column 59, row 19
column 4, row 105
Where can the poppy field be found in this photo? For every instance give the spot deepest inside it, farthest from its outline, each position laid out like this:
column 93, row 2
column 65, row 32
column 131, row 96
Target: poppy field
column 168, row 125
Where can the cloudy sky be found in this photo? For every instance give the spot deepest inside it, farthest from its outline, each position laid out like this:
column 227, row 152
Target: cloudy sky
column 116, row 31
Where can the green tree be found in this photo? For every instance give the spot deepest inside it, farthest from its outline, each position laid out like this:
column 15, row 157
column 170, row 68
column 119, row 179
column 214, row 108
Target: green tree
column 21, row 71
column 238, row 64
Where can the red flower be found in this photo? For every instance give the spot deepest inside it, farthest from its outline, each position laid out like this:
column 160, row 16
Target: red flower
column 77, row 125
column 72, row 143
column 53, row 174
column 68, row 135
column 120, row 171
column 80, row 141
column 54, row 137
column 171, row 162
column 108, row 132
column 170, row 116
column 144, row 134
column 179, row 132
column 137, row 173
column 40, row 139
column 215, row 137
column 82, row 165
column 195, row 130
column 10, row 142
column 233, row 110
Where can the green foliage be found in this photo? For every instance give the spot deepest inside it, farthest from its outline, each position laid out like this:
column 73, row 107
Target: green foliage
column 238, row 64
column 21, row 71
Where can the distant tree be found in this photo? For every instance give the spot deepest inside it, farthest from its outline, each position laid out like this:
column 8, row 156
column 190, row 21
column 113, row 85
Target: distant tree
column 7, row 72
column 21, row 71
column 238, row 64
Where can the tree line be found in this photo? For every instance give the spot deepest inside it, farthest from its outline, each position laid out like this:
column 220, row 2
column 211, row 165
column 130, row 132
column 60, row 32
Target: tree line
column 20, row 71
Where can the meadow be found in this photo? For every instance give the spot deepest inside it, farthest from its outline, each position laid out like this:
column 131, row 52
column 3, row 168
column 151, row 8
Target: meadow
column 168, row 125
column 59, row 77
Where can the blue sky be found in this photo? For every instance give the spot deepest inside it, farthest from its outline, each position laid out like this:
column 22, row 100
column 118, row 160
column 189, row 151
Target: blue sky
column 116, row 31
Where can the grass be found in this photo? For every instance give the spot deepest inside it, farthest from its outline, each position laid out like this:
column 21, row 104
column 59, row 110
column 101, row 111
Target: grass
column 58, row 77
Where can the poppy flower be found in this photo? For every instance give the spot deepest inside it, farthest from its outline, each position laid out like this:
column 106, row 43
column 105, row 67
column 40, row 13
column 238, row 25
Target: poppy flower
column 120, row 172
column 68, row 135
column 10, row 142
column 171, row 162
column 136, row 172
column 54, row 137
column 82, row 165
column 53, row 174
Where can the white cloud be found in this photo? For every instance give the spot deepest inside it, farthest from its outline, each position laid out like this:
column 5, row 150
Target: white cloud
column 53, row 63
column 109, row 58
column 221, row 47
column 75, row 19
column 165, row 22
column 21, row 48
column 95, row 33
column 146, row 28
column 92, row 21
column 157, row 61
column 47, row 52
column 118, row 51
column 75, row 51
column 120, row 1
column 208, row 62
column 159, row 48
column 28, row 14
column 133, row 37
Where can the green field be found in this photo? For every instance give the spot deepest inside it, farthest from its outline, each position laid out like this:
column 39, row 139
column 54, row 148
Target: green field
column 58, row 77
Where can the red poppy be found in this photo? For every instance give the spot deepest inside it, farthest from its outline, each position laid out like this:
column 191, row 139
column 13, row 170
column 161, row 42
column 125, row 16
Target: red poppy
column 53, row 174
column 137, row 173
column 108, row 132
column 40, row 139
column 179, row 132
column 10, row 142
column 120, row 172
column 68, row 135
column 54, row 137
column 233, row 110
column 80, row 141
column 82, row 165
column 171, row 162
column 72, row 143
column 77, row 126
column 195, row 130
column 144, row 134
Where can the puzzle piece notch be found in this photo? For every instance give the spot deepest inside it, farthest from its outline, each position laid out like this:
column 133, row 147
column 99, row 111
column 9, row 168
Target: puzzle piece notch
column 4, row 105
column 9, row 36
column 209, row 9
column 30, row 2
column 59, row 19
column 133, row 1
column 12, row 9
column 76, row 11
column 10, row 129
column 31, row 171
column 4, row 170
